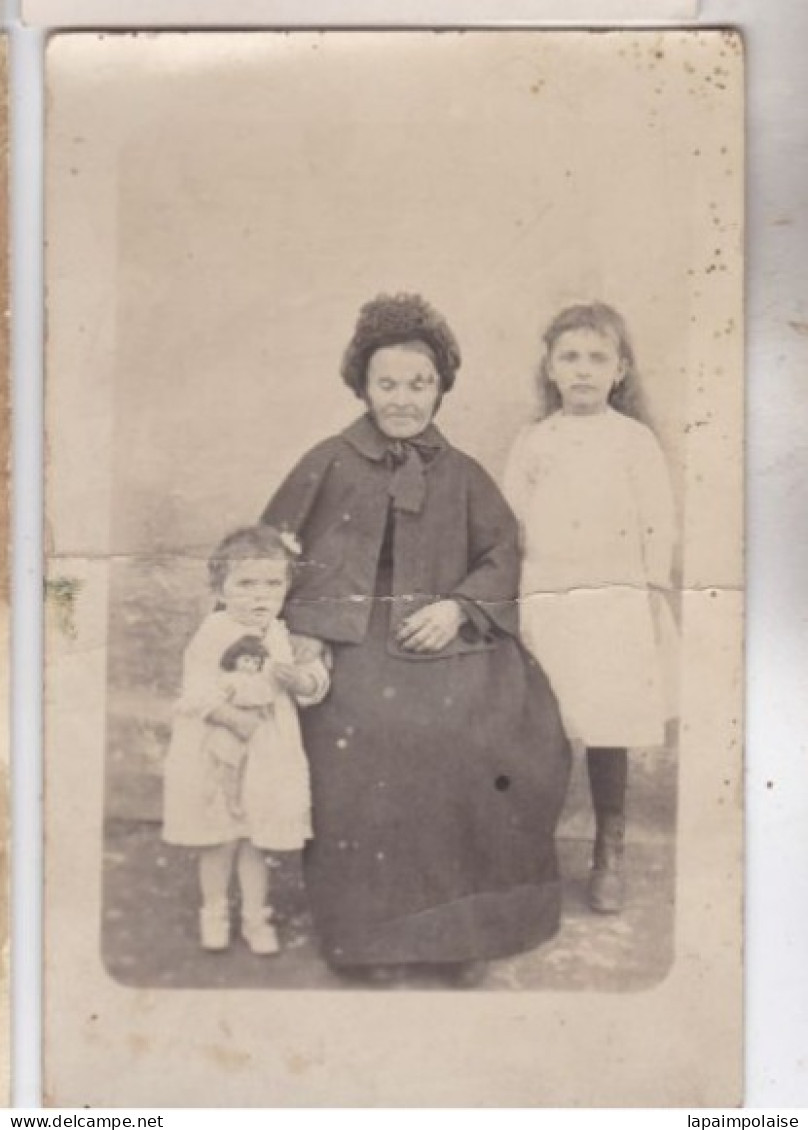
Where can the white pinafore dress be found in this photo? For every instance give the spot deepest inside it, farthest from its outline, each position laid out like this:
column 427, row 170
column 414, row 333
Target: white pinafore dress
column 593, row 497
column 275, row 800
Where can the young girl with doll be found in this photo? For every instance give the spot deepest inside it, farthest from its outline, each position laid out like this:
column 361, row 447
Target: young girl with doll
column 590, row 486
column 236, row 776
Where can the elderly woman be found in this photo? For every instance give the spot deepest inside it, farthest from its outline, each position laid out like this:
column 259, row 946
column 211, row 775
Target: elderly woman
column 438, row 761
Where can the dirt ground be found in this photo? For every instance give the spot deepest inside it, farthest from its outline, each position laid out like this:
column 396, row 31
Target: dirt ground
column 149, row 932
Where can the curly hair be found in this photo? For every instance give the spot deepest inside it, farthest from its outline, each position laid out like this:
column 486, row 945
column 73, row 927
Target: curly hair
column 245, row 544
column 627, row 395
column 395, row 320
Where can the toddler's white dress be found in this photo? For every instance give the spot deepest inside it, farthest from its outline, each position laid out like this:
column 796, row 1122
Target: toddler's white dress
column 593, row 497
column 275, row 794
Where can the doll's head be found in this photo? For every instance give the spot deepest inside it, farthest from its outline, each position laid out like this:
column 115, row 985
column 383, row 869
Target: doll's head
column 588, row 364
column 250, row 573
column 246, row 654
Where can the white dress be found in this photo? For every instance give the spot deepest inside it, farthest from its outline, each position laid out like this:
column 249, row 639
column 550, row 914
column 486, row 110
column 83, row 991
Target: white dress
column 275, row 795
column 593, row 497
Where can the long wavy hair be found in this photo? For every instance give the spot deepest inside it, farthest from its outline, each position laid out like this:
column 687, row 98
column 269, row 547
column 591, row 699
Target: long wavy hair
column 627, row 395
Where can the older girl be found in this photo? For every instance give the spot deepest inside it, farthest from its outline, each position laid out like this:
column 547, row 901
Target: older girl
column 590, row 486
column 236, row 778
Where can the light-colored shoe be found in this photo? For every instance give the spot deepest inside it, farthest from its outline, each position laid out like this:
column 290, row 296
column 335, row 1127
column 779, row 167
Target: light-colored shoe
column 214, row 927
column 259, row 933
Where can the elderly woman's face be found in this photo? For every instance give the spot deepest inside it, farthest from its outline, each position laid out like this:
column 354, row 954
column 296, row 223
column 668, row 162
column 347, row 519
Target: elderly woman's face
column 403, row 389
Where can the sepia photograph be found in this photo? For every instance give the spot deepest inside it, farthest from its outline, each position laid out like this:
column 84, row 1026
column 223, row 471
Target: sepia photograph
column 394, row 432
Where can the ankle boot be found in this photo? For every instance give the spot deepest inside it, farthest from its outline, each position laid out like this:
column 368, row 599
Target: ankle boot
column 259, row 933
column 606, row 882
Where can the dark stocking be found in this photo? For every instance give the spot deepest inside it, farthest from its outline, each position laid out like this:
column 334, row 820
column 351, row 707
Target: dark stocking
column 608, row 777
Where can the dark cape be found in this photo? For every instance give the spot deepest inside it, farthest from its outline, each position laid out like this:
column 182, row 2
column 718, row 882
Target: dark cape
column 437, row 780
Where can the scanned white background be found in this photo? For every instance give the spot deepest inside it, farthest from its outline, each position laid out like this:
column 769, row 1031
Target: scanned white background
column 363, row 13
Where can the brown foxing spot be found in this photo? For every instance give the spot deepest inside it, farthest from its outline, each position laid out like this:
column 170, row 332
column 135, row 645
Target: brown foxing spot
column 226, row 1058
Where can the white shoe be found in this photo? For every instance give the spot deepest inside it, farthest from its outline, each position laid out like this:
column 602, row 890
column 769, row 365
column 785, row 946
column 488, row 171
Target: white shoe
column 214, row 927
column 259, row 933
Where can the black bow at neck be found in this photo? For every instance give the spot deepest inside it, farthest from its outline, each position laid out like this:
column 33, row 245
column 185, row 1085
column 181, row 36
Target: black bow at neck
column 408, row 459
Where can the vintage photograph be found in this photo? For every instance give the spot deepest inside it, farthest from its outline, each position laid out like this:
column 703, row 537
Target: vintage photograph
column 395, row 386
column 345, row 741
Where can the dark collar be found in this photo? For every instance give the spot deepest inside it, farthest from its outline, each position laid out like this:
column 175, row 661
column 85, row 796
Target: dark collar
column 365, row 437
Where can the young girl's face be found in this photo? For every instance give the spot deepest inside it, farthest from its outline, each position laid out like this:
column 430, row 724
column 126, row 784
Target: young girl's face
column 249, row 664
column 254, row 590
column 585, row 365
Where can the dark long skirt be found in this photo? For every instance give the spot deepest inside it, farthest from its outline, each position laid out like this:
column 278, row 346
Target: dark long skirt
column 437, row 785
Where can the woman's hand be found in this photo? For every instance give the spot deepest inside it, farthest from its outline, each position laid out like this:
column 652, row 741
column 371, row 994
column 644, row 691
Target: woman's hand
column 294, row 680
column 431, row 628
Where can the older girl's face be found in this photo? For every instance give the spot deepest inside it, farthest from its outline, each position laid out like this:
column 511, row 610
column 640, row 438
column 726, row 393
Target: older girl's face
column 403, row 389
column 585, row 365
